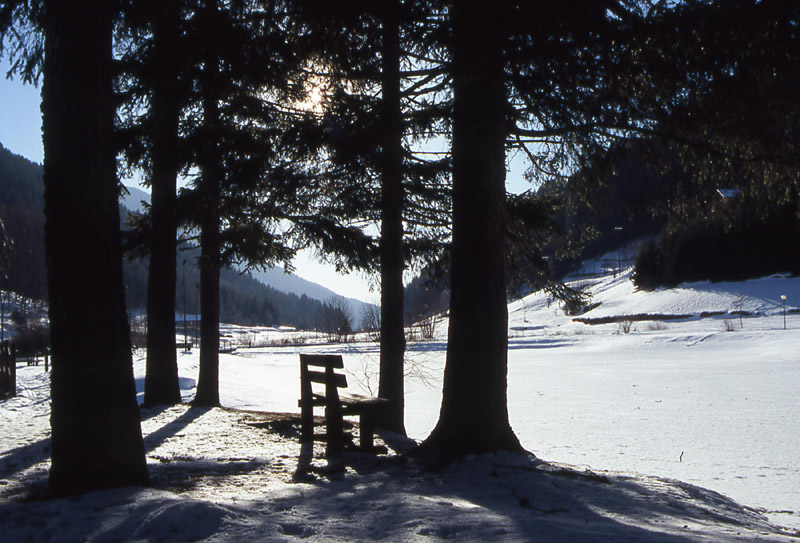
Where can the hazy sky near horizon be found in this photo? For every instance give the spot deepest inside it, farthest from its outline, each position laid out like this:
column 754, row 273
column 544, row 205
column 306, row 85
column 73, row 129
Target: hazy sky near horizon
column 21, row 133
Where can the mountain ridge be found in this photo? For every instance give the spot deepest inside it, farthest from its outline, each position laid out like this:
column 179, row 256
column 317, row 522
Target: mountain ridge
column 22, row 211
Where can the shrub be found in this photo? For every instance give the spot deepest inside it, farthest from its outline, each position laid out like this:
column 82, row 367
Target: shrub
column 427, row 327
column 730, row 325
column 32, row 340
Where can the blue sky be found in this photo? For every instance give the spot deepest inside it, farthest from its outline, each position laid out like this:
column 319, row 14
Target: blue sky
column 20, row 118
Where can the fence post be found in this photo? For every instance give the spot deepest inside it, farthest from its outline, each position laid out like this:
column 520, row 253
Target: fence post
column 12, row 361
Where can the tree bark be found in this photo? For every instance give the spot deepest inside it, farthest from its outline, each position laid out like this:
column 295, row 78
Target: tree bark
column 474, row 411
column 96, row 433
column 161, row 385
column 208, row 379
column 393, row 343
column 210, row 238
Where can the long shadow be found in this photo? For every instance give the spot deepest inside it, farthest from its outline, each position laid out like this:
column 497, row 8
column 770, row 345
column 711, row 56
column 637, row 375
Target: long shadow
column 149, row 412
column 505, row 497
column 186, row 472
column 22, row 458
column 154, row 439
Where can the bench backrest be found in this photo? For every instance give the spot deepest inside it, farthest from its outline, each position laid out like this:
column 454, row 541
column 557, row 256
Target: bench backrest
column 321, row 369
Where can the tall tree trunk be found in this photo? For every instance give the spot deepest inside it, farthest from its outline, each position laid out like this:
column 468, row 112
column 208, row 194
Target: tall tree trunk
column 393, row 343
column 161, row 384
column 474, row 412
column 96, row 433
column 210, row 244
column 208, row 379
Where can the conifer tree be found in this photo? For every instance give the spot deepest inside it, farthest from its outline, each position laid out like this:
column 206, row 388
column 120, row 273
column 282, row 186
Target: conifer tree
column 161, row 376
column 209, row 192
column 561, row 82
column 377, row 96
column 150, row 36
column 392, row 257
column 247, row 181
column 96, row 434
column 474, row 413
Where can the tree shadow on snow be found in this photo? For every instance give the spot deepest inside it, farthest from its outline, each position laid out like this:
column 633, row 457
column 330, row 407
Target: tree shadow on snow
column 22, row 458
column 508, row 497
column 186, row 470
column 174, row 426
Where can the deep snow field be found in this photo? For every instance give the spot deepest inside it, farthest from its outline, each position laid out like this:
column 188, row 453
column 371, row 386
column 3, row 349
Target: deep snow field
column 651, row 430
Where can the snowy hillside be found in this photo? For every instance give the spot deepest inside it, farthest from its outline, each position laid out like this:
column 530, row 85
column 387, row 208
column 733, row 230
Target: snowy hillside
column 657, row 434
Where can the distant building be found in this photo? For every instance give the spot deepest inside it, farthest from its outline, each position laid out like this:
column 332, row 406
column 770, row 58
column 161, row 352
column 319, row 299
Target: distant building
column 726, row 197
column 728, row 194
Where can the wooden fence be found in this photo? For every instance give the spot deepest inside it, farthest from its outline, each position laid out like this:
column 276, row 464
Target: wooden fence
column 8, row 370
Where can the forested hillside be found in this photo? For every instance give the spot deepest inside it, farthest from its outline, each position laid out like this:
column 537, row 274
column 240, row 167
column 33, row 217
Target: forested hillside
column 243, row 300
column 21, row 211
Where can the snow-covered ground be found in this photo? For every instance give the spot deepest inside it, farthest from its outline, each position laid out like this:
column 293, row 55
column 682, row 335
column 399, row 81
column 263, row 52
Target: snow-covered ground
column 614, row 419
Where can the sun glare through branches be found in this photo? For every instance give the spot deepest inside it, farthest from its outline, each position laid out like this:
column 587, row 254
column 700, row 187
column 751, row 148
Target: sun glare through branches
column 314, row 95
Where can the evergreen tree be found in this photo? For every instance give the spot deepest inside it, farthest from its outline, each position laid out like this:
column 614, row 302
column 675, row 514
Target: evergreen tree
column 377, row 94
column 96, row 434
column 209, row 189
column 392, row 257
column 562, row 81
column 247, row 182
column 474, row 413
column 153, row 79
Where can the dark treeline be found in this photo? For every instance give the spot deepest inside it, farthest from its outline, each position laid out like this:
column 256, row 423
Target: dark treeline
column 244, row 300
column 22, row 214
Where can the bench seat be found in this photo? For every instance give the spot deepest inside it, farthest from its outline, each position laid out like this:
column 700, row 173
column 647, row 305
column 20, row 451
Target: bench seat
column 321, row 370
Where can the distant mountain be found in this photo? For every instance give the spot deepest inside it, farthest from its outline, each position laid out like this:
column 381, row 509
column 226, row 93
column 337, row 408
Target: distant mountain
column 291, row 283
column 273, row 278
column 243, row 300
column 276, row 278
column 134, row 199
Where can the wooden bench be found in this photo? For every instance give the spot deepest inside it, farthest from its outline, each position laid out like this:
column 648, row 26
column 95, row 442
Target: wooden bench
column 321, row 369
